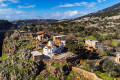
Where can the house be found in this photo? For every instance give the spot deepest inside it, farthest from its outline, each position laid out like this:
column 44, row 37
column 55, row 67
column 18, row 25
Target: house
column 24, row 33
column 37, row 56
column 41, row 36
column 40, row 32
column 62, row 38
column 92, row 44
column 52, row 47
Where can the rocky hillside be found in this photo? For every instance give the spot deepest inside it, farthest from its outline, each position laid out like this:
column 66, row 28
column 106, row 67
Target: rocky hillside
column 33, row 21
column 17, row 64
column 110, row 11
column 106, row 18
column 4, row 25
column 109, row 17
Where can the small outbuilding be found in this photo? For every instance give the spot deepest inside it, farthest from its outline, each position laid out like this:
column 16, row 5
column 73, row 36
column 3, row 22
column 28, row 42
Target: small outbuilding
column 37, row 56
column 117, row 58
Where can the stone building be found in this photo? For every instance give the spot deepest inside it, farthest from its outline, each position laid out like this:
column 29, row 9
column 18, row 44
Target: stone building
column 52, row 47
column 37, row 56
column 61, row 38
column 41, row 36
column 92, row 44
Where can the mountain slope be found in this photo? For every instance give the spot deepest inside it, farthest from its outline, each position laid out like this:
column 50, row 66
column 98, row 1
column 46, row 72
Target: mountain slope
column 110, row 11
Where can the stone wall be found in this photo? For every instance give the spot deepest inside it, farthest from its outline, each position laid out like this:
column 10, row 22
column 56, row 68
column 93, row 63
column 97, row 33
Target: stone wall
column 87, row 75
column 54, row 61
column 62, row 60
column 73, row 58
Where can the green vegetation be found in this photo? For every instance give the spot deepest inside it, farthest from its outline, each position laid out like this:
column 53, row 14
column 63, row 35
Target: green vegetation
column 111, row 68
column 115, row 42
column 40, row 50
column 99, row 28
column 77, row 76
column 58, row 65
column 91, row 37
column 103, row 76
column 74, row 47
column 107, row 66
column 4, row 57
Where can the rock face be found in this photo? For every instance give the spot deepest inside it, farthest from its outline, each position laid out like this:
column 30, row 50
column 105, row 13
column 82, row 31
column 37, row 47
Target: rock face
column 56, row 71
column 4, row 25
column 20, row 67
column 1, row 42
column 87, row 75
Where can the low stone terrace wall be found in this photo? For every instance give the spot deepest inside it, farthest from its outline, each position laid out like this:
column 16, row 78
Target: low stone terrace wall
column 54, row 61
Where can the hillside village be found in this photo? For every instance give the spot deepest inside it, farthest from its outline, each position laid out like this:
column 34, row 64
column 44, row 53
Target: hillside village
column 51, row 50
column 55, row 46
column 84, row 48
column 62, row 49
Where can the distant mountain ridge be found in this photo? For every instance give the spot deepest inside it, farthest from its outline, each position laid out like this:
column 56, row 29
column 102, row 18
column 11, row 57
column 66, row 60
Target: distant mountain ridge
column 4, row 24
column 33, row 21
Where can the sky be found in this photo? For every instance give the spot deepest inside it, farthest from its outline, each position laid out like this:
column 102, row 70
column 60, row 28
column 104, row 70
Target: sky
column 50, row 9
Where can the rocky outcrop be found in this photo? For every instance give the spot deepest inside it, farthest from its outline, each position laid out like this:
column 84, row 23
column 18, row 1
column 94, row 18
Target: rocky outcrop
column 4, row 25
column 1, row 42
column 87, row 75
column 20, row 67
column 58, row 70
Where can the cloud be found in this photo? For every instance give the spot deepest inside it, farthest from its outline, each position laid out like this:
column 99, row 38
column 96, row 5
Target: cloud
column 2, row 2
column 100, row 1
column 13, row 14
column 9, row 11
column 86, row 4
column 91, row 5
column 65, row 15
column 30, row 6
column 12, row 1
column 3, row 5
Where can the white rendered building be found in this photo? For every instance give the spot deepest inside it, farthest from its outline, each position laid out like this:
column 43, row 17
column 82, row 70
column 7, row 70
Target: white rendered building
column 51, row 48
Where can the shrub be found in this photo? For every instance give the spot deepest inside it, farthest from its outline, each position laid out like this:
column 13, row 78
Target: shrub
column 91, row 64
column 111, row 68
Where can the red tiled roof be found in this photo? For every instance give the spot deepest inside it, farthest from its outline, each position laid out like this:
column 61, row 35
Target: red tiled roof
column 41, row 32
column 56, row 42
